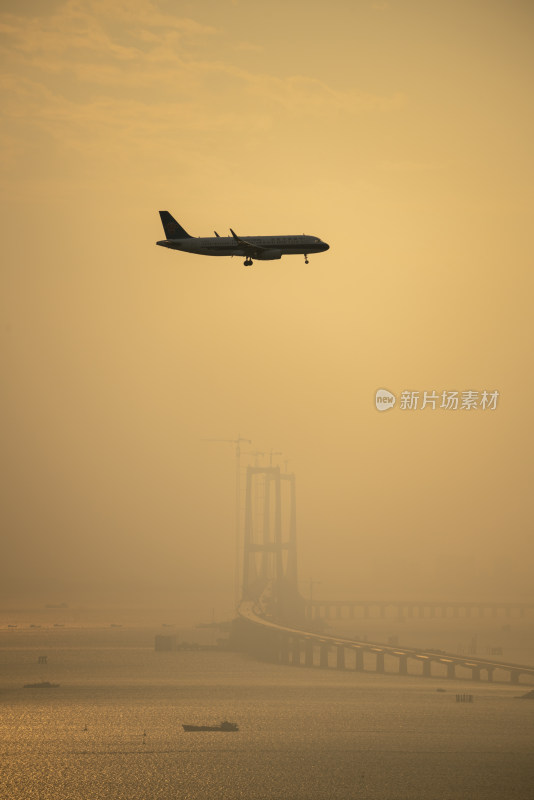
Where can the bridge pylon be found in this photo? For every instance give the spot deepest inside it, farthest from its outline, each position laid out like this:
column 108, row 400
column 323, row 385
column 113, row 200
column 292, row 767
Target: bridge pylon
column 270, row 542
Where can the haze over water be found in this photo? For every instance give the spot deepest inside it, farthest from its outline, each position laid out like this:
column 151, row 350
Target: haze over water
column 307, row 734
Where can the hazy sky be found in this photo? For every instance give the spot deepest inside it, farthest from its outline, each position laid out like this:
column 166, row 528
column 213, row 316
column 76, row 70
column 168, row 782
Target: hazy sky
column 399, row 132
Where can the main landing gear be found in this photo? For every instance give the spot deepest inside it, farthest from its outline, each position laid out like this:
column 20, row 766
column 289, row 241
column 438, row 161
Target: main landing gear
column 247, row 262
column 306, row 259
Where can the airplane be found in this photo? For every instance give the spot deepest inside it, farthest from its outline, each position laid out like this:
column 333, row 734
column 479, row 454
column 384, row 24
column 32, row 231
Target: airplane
column 261, row 248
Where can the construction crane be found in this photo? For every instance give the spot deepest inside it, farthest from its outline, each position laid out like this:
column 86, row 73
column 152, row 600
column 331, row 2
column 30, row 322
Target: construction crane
column 271, row 454
column 256, row 454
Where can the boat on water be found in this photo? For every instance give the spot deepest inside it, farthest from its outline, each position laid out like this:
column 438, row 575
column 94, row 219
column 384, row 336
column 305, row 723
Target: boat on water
column 41, row 685
column 224, row 726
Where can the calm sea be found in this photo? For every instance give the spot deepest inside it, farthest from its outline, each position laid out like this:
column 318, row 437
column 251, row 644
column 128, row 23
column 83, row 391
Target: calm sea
column 113, row 728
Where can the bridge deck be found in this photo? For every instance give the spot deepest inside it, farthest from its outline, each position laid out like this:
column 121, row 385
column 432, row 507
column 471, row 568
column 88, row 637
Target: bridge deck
column 250, row 611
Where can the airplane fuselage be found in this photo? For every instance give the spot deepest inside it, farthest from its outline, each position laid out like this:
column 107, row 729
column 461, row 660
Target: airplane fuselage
column 268, row 247
column 261, row 248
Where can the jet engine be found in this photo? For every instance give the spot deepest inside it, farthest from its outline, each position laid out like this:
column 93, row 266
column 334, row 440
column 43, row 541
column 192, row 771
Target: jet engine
column 268, row 255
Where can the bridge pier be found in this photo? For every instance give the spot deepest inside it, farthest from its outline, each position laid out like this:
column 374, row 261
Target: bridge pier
column 284, row 650
column 290, row 649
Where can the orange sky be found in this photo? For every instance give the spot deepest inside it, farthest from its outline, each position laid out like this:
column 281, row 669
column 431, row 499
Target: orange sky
column 400, row 133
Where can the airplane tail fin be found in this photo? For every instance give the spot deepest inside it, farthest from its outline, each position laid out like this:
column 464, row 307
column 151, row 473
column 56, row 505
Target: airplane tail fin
column 172, row 229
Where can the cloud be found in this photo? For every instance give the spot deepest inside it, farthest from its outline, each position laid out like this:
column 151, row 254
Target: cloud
column 117, row 31
column 412, row 166
column 128, row 78
column 298, row 93
column 134, row 44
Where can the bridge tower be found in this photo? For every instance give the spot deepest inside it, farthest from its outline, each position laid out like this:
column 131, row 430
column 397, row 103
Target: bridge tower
column 270, row 542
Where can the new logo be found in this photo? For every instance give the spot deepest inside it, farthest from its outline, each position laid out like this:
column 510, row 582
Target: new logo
column 384, row 400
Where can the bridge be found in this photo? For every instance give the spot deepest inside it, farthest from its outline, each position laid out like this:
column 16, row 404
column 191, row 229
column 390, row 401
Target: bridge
column 275, row 623
column 367, row 609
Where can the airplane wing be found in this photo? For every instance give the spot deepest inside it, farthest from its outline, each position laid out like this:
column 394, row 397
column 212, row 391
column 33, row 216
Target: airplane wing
column 248, row 247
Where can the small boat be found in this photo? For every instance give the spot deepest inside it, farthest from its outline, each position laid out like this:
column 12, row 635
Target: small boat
column 224, row 726
column 41, row 685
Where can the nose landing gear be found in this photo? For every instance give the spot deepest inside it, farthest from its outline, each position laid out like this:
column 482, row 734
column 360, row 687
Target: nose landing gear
column 306, row 259
column 247, row 262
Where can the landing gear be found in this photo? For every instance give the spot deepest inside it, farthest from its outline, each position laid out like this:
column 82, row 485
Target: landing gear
column 247, row 262
column 306, row 259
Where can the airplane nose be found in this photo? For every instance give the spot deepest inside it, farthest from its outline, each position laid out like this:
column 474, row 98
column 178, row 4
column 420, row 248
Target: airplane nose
column 326, row 246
